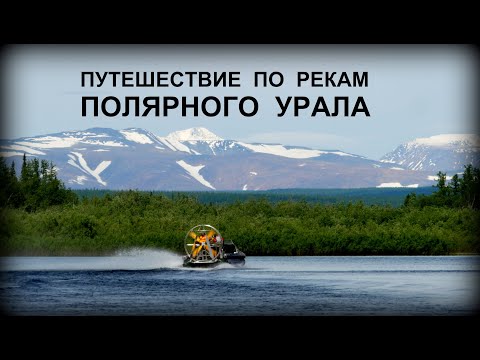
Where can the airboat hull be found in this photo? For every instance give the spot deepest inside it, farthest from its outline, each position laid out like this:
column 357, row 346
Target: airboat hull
column 237, row 260
column 200, row 264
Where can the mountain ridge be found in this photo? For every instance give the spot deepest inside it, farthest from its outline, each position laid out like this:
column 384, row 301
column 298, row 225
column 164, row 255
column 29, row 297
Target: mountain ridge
column 444, row 152
column 197, row 159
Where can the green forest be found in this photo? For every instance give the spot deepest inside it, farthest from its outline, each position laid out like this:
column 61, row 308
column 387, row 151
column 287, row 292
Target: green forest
column 369, row 196
column 40, row 216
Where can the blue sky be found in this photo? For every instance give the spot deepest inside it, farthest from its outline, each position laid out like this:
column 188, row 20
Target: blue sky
column 413, row 91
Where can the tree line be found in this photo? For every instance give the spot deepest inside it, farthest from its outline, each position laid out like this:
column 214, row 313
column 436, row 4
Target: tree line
column 45, row 218
column 369, row 196
column 459, row 192
column 37, row 187
column 137, row 219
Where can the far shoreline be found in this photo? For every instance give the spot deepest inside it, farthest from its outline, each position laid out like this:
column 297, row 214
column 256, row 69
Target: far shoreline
column 119, row 251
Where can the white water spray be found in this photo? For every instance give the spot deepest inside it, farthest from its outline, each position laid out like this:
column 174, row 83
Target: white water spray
column 130, row 259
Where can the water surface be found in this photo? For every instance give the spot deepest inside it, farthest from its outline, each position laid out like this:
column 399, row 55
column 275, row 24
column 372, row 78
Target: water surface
column 152, row 282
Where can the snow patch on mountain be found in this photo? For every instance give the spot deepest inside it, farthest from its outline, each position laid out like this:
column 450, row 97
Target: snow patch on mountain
column 294, row 153
column 24, row 149
column 85, row 168
column 194, row 171
column 69, row 139
column 78, row 180
column 132, row 135
column 176, row 145
column 73, row 161
column 55, row 142
column 212, row 147
column 106, row 143
column 196, row 133
column 49, row 142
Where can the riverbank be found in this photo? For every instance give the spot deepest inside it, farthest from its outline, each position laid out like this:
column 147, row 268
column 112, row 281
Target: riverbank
column 101, row 226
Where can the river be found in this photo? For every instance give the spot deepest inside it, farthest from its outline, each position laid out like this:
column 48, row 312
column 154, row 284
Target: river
column 153, row 282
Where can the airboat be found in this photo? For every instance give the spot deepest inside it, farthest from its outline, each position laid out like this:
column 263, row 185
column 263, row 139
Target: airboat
column 206, row 247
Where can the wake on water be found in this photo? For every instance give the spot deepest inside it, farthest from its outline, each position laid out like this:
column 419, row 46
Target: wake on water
column 130, row 259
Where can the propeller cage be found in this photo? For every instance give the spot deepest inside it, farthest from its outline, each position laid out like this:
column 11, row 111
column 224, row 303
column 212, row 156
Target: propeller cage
column 203, row 255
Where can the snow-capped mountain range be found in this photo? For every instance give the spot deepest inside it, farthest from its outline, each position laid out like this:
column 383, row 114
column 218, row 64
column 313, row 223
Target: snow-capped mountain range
column 196, row 159
column 446, row 153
